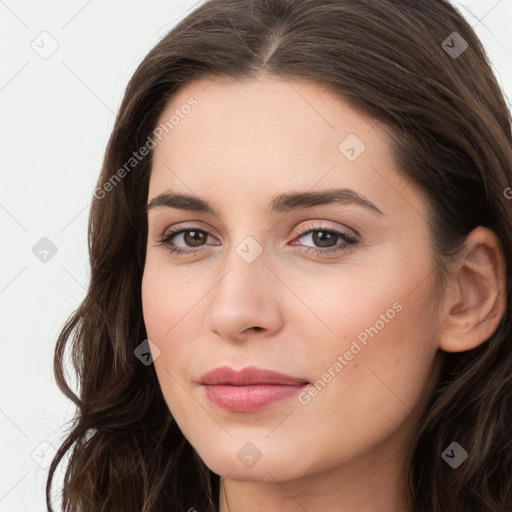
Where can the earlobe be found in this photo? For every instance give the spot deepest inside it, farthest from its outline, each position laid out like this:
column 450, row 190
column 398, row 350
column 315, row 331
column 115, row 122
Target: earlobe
column 476, row 300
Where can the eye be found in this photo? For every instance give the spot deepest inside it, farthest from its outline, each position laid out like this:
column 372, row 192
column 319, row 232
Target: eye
column 192, row 237
column 327, row 240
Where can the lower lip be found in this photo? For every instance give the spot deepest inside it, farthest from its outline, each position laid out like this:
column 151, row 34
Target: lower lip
column 249, row 398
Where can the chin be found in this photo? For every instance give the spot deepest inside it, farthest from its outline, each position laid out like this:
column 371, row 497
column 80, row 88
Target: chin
column 235, row 463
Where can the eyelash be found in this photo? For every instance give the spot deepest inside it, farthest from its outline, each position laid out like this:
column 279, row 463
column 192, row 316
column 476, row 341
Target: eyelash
column 348, row 239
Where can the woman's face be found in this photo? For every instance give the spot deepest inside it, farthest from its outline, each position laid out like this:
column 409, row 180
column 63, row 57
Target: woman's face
column 312, row 260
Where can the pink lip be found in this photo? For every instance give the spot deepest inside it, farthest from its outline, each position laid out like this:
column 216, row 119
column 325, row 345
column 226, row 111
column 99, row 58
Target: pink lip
column 250, row 389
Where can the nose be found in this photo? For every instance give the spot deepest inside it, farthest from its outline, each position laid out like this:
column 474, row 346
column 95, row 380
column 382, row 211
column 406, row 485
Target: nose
column 245, row 301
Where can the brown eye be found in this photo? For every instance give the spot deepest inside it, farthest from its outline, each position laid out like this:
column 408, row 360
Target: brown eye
column 326, row 241
column 324, row 238
column 185, row 240
column 194, row 238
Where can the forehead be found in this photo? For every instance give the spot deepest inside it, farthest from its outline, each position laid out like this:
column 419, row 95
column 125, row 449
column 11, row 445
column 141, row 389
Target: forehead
column 267, row 110
column 253, row 137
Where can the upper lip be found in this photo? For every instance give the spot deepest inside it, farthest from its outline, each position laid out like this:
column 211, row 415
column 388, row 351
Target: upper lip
column 248, row 376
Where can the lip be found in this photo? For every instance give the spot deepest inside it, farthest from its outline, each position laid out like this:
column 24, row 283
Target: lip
column 249, row 389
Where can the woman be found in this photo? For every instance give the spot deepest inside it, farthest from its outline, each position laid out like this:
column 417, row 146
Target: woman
column 299, row 298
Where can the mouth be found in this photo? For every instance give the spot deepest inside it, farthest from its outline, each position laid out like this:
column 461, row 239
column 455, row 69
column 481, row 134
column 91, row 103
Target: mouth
column 250, row 389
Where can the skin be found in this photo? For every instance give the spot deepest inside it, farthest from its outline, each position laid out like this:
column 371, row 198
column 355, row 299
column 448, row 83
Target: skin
column 244, row 143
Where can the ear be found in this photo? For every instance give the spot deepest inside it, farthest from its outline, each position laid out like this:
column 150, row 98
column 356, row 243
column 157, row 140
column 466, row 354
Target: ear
column 475, row 300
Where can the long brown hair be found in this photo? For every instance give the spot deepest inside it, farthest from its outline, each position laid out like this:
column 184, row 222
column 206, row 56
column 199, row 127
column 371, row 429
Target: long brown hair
column 402, row 64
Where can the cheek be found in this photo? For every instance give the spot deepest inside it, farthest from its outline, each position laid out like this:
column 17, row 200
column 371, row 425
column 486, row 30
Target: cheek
column 167, row 301
column 166, row 317
column 370, row 338
column 378, row 364
column 159, row 316
column 174, row 310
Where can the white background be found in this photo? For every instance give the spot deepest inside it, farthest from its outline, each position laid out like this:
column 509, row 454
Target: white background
column 56, row 117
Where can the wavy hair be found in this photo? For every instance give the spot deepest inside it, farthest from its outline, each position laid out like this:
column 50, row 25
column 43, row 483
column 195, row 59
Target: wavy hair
column 451, row 133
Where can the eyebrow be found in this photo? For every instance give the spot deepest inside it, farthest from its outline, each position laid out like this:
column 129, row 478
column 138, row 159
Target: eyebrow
column 280, row 203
